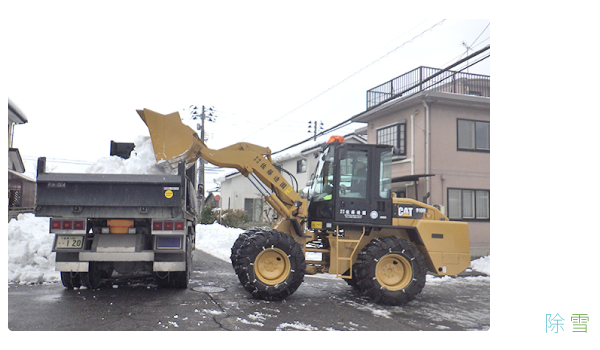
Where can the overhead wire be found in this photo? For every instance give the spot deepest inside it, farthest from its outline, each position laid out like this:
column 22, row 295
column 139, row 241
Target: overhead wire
column 351, row 119
column 348, row 77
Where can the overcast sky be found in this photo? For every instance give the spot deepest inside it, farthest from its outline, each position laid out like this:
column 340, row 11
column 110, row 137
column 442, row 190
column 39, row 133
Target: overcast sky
column 79, row 72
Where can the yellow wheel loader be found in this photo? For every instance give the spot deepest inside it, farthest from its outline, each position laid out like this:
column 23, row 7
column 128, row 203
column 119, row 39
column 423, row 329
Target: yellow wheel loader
column 351, row 225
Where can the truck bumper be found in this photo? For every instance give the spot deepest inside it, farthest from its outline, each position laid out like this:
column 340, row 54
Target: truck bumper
column 104, row 256
column 85, row 257
column 165, row 266
column 72, row 266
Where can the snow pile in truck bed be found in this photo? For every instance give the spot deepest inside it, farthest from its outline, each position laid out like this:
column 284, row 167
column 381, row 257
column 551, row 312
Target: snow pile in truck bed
column 30, row 256
column 141, row 161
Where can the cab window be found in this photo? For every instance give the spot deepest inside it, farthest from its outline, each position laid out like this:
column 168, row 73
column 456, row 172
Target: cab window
column 353, row 175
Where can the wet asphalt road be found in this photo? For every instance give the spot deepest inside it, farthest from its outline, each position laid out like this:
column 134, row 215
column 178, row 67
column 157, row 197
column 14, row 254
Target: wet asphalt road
column 216, row 301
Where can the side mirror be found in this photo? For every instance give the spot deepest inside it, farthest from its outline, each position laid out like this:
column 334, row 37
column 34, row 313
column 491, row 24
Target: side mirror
column 305, row 193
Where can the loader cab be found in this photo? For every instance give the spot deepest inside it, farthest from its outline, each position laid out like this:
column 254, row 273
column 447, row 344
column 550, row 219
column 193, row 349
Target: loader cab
column 351, row 187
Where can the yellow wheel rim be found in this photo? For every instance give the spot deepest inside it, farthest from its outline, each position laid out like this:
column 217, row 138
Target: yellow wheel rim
column 272, row 266
column 393, row 272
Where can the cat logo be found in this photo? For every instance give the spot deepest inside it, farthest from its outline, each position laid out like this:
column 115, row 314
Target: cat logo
column 406, row 212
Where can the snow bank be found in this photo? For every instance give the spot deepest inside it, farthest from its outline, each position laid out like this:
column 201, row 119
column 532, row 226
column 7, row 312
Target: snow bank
column 141, row 161
column 482, row 265
column 31, row 260
column 30, row 256
column 216, row 240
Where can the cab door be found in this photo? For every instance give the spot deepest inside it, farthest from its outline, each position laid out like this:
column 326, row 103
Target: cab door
column 362, row 196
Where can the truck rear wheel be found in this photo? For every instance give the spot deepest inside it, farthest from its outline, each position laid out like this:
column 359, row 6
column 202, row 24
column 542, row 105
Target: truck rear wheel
column 70, row 280
column 181, row 279
column 178, row 279
column 271, row 265
column 91, row 279
column 390, row 271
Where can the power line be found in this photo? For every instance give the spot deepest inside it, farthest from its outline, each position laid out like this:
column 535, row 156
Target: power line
column 472, row 46
column 480, row 34
column 351, row 119
column 350, row 76
column 59, row 160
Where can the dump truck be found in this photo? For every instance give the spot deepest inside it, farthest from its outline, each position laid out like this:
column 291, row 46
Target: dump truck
column 132, row 224
column 351, row 225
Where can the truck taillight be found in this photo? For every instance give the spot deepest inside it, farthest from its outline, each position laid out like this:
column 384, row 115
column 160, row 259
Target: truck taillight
column 56, row 224
column 69, row 224
column 168, row 226
column 78, row 225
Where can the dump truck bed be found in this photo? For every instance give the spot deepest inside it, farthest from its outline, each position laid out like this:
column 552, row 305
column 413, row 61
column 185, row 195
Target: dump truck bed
column 129, row 196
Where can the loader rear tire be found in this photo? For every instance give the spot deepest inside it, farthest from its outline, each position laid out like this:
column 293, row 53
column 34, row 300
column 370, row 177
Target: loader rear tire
column 271, row 265
column 390, row 271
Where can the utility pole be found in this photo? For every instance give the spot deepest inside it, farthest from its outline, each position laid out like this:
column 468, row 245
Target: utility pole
column 207, row 114
column 468, row 48
column 314, row 128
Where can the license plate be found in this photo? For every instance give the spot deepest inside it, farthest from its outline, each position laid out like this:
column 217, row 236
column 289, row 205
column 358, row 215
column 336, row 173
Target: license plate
column 69, row 242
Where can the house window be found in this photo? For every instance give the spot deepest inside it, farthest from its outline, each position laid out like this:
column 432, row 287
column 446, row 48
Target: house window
column 301, row 166
column 394, row 135
column 473, row 135
column 466, row 204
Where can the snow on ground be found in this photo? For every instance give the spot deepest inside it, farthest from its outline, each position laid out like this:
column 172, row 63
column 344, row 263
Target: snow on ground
column 482, row 265
column 216, row 240
column 31, row 260
column 30, row 256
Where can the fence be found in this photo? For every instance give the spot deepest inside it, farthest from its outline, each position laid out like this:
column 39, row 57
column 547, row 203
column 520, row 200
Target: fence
column 431, row 79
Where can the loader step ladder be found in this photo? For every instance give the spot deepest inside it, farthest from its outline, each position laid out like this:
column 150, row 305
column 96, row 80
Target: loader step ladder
column 355, row 242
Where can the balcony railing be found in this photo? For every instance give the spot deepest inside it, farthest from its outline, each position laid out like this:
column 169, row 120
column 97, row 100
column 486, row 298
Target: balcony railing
column 431, row 79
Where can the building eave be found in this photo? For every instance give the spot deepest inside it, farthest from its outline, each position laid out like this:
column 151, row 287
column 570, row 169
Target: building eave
column 417, row 99
column 15, row 115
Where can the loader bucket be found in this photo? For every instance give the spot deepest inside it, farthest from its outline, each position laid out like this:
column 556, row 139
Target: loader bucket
column 173, row 141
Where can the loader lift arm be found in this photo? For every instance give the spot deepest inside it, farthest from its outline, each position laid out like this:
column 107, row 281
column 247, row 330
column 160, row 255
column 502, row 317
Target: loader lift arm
column 174, row 142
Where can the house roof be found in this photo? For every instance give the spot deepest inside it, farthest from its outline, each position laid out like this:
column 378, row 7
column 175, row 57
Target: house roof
column 418, row 98
column 15, row 115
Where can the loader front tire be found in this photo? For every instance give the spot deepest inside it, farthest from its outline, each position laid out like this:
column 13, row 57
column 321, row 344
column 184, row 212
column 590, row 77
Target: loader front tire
column 390, row 271
column 270, row 265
